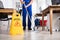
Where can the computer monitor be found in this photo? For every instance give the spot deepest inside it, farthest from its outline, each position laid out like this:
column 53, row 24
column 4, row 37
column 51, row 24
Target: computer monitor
column 55, row 2
column 1, row 5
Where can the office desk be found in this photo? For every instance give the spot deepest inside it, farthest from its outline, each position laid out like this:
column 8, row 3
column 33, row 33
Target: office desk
column 51, row 9
column 7, row 11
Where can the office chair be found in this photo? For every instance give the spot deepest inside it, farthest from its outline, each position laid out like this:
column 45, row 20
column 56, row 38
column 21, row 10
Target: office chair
column 4, row 16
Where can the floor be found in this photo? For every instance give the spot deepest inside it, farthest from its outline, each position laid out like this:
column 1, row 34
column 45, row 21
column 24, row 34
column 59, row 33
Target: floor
column 31, row 35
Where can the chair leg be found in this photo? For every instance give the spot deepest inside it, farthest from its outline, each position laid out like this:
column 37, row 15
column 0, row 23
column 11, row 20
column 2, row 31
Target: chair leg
column 8, row 26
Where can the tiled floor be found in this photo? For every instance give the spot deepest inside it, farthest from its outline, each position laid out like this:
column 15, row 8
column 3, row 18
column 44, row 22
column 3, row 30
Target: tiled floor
column 32, row 35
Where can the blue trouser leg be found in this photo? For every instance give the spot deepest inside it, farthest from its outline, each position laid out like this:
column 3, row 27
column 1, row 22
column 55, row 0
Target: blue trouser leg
column 29, row 17
column 24, row 18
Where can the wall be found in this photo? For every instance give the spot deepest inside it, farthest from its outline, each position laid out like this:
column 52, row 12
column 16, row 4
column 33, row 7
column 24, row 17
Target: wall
column 10, row 3
column 35, row 6
column 7, row 3
column 43, row 4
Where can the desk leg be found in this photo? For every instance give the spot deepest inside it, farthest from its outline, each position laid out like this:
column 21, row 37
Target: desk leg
column 51, row 16
column 43, row 28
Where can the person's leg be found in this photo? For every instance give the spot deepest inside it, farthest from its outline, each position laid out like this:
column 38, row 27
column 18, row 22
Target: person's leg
column 24, row 18
column 29, row 17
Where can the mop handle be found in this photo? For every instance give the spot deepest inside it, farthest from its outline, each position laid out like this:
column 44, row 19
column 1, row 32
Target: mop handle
column 25, row 7
column 27, row 12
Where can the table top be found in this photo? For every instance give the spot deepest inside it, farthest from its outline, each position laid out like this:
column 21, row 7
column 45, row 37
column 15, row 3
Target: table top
column 55, row 8
column 7, row 10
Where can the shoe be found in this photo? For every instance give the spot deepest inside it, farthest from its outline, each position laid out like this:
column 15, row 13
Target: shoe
column 29, row 29
column 24, row 29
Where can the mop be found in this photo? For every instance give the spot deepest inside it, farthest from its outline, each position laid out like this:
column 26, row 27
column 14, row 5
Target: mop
column 27, row 13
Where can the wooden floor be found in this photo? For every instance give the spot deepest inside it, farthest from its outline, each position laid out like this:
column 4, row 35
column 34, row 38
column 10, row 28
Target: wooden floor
column 32, row 35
